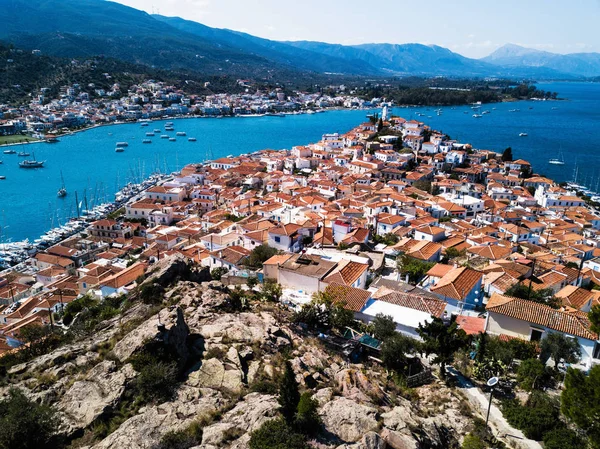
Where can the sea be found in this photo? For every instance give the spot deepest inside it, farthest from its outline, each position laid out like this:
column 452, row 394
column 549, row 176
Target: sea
column 90, row 167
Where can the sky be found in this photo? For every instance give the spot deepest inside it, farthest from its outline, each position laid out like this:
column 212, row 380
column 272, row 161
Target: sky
column 473, row 28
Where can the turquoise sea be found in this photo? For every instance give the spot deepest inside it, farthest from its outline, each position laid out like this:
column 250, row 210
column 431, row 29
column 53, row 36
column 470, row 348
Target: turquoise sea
column 89, row 164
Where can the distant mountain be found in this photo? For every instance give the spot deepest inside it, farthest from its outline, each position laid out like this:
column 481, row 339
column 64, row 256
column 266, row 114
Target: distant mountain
column 83, row 28
column 576, row 64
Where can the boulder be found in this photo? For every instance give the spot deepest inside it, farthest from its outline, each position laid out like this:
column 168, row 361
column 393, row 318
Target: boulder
column 370, row 440
column 89, row 398
column 398, row 440
column 246, row 417
column 145, row 430
column 354, row 385
column 215, row 374
column 348, row 420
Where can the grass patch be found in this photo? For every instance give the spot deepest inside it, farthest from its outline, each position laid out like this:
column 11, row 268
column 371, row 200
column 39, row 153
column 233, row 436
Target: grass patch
column 6, row 140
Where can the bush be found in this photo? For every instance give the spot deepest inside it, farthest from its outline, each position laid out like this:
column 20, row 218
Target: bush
column 307, row 417
column 383, row 326
column 277, row 434
column 563, row 438
column 259, row 255
column 151, row 293
column 531, row 374
column 536, row 418
column 156, row 382
column 183, row 439
column 394, row 350
column 24, row 424
column 473, row 442
column 579, row 401
column 217, row 273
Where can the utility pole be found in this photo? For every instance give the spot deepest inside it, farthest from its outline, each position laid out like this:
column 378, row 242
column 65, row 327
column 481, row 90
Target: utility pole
column 531, row 279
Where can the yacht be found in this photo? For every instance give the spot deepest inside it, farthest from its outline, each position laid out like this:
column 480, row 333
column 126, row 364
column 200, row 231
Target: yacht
column 149, row 134
column 2, row 177
column 10, row 152
column 31, row 163
column 172, row 139
column 180, row 133
column 122, row 144
column 522, row 134
column 191, row 139
column 119, row 149
column 477, row 115
column 146, row 141
column 23, row 154
column 62, row 192
column 145, row 124
column 157, row 130
column 560, row 160
column 164, row 136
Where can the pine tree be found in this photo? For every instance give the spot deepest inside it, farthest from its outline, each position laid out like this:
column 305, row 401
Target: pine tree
column 507, row 156
column 289, row 395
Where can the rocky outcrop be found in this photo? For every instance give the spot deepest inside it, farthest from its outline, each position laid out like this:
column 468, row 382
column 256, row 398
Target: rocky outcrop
column 246, row 417
column 99, row 391
column 348, row 420
column 146, row 429
column 370, row 440
column 215, row 374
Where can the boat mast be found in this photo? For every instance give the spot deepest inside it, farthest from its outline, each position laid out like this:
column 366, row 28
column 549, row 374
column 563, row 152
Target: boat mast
column 76, row 203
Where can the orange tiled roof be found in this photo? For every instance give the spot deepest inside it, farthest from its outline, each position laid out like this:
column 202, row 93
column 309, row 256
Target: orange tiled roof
column 353, row 298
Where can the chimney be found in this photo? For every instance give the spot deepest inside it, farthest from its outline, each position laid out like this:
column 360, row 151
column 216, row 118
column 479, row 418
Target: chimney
column 220, row 254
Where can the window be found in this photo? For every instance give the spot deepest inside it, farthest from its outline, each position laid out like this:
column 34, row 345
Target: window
column 596, row 354
column 277, row 240
column 536, row 334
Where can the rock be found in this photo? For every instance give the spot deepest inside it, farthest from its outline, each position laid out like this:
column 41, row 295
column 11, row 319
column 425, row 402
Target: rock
column 348, row 420
column 147, row 428
column 253, row 369
column 101, row 389
column 370, row 440
column 397, row 440
column 400, row 418
column 246, row 417
column 354, row 385
column 214, row 374
column 323, row 396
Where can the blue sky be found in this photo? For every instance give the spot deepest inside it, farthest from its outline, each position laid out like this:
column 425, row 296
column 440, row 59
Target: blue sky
column 473, row 28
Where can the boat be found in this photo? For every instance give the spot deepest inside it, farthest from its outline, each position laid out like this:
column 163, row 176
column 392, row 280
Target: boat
column 164, row 136
column 122, row 144
column 149, row 134
column 10, row 152
column 485, row 112
column 172, row 139
column 168, row 124
column 522, row 134
column 2, row 177
column 119, row 149
column 180, row 133
column 51, row 139
column 560, row 160
column 62, row 192
column 157, row 130
column 191, row 139
column 23, row 154
column 144, row 124
column 146, row 141
column 477, row 115
column 31, row 163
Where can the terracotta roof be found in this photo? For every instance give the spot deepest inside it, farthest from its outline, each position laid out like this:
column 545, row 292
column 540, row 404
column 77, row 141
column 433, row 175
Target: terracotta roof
column 353, row 298
column 346, row 273
column 575, row 297
column 277, row 259
column 439, row 270
column 432, row 306
column 472, row 325
column 457, row 283
column 573, row 323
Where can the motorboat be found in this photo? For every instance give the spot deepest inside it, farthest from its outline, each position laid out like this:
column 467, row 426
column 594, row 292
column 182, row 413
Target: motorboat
column 180, row 134
column 522, row 134
column 146, row 141
column 191, row 139
column 119, row 149
column 122, row 144
column 477, row 115
column 10, row 152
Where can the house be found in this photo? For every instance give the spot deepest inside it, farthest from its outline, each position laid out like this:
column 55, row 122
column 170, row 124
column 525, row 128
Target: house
column 230, row 257
column 304, row 272
column 349, row 273
column 386, row 223
column 286, row 238
column 461, row 288
column 111, row 229
column 121, row 281
column 532, row 321
column 430, row 233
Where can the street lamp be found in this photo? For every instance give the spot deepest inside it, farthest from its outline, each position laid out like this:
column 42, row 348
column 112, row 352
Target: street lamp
column 490, row 383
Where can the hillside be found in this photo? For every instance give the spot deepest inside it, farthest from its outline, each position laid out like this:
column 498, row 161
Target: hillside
column 178, row 364
column 576, row 64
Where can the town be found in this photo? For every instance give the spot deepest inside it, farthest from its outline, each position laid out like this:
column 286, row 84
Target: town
column 390, row 219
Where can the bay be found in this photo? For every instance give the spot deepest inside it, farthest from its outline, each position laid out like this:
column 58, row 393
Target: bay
column 88, row 161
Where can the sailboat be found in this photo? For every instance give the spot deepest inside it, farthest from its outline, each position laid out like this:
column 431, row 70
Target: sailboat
column 62, row 192
column 558, row 161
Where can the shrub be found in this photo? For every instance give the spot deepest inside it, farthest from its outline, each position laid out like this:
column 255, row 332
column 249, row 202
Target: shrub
column 383, row 326
column 531, row 374
column 579, row 401
column 307, row 417
column 537, row 417
column 277, row 434
column 156, row 382
column 217, row 273
column 24, row 424
column 289, row 396
column 183, row 439
column 151, row 293
column 394, row 350
column 259, row 255
column 473, row 442
column 563, row 438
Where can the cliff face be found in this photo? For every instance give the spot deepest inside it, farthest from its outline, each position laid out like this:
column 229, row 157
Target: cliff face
column 225, row 363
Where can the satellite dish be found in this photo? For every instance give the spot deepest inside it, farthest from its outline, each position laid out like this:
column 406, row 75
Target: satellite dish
column 492, row 381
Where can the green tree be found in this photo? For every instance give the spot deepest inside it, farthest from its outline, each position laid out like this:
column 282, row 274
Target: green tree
column 307, row 419
column 217, row 273
column 394, row 350
column 383, row 327
column 289, row 395
column 252, row 282
column 414, row 268
column 594, row 317
column 473, row 442
column 277, row 434
column 580, row 401
column 259, row 255
column 323, row 312
column 507, row 155
column 271, row 290
column 443, row 340
column 559, row 347
column 25, row 424
column 563, row 438
column 531, row 374
column 543, row 296
column 538, row 416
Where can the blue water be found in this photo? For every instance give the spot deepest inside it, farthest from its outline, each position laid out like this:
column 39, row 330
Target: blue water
column 88, row 161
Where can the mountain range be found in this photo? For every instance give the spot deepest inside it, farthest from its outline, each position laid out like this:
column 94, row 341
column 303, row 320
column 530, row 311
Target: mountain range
column 80, row 28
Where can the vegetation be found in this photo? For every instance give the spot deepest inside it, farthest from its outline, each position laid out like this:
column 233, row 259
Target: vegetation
column 184, row 439
column 543, row 296
column 394, row 351
column 259, row 255
column 277, row 434
column 507, row 155
column 559, row 347
column 289, row 395
column 443, row 340
column 563, row 438
column 594, row 317
column 25, row 424
column 271, row 290
column 531, row 374
column 307, row 420
column 217, row 273
column 579, row 401
column 537, row 417
column 414, row 268
column 387, row 239
column 383, row 327
column 324, row 313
